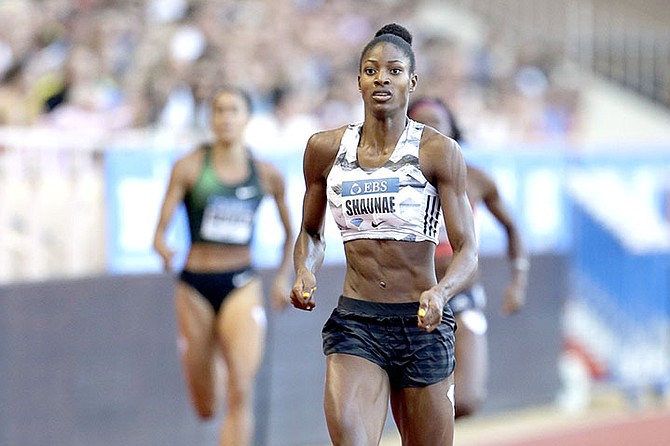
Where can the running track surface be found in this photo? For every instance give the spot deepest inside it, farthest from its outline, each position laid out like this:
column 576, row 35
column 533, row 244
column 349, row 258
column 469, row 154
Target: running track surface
column 636, row 429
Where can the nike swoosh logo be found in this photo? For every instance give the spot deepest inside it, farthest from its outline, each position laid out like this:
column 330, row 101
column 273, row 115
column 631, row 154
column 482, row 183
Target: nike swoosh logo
column 246, row 192
column 375, row 224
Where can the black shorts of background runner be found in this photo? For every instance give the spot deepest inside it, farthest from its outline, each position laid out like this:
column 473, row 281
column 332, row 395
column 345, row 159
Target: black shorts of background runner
column 472, row 298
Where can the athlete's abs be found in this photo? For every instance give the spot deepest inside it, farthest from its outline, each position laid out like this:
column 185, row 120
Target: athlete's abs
column 388, row 270
column 210, row 257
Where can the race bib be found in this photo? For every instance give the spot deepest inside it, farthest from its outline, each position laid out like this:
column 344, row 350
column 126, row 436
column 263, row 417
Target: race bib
column 366, row 200
column 227, row 220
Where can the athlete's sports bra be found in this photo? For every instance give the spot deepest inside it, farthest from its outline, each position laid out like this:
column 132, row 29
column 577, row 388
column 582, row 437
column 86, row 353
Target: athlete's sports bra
column 223, row 213
column 392, row 202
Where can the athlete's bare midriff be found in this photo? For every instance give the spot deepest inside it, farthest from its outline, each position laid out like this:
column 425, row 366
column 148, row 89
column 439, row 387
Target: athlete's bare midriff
column 388, row 270
column 211, row 257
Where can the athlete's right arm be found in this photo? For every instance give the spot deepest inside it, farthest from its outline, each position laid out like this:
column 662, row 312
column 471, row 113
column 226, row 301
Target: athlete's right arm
column 174, row 195
column 310, row 245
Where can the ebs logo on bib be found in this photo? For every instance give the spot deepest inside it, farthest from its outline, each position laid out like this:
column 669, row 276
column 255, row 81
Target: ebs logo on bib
column 367, row 187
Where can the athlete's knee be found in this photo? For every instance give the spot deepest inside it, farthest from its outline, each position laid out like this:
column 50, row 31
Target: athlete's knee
column 205, row 409
column 346, row 425
column 204, row 398
column 240, row 391
column 344, row 431
column 338, row 419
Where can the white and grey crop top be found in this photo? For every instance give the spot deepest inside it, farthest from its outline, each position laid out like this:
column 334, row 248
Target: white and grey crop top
column 392, row 202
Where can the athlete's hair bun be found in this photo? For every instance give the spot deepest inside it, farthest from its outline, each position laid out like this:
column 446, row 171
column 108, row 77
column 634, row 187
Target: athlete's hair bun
column 396, row 30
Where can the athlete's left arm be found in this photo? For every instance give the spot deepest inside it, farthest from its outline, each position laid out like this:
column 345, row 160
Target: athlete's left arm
column 443, row 165
column 515, row 293
column 275, row 186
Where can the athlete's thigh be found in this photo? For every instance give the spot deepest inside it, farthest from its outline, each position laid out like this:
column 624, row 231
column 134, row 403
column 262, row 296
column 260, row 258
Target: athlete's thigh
column 471, row 371
column 356, row 398
column 197, row 345
column 241, row 328
column 195, row 320
column 425, row 415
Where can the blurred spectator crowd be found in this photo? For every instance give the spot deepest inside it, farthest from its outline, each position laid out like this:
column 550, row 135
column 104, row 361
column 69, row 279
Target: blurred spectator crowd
column 115, row 64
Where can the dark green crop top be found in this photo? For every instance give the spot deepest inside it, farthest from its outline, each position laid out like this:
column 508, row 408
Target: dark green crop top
column 223, row 213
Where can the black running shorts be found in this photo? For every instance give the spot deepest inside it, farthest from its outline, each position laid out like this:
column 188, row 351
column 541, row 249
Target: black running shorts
column 387, row 335
column 473, row 298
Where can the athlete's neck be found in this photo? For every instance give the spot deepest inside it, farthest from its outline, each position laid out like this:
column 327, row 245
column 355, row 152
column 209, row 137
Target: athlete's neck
column 380, row 136
column 229, row 151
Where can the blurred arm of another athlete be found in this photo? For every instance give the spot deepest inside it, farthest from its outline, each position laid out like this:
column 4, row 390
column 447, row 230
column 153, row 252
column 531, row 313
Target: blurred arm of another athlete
column 275, row 186
column 515, row 293
column 180, row 178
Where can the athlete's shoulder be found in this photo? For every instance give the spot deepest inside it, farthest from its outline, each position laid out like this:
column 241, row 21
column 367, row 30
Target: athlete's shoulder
column 322, row 148
column 189, row 165
column 326, row 140
column 440, row 156
column 434, row 143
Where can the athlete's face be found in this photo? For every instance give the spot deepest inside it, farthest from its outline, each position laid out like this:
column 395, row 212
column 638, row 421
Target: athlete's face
column 230, row 115
column 433, row 115
column 385, row 79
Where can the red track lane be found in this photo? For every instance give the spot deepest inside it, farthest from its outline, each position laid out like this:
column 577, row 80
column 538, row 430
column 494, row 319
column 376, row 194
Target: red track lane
column 636, row 430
